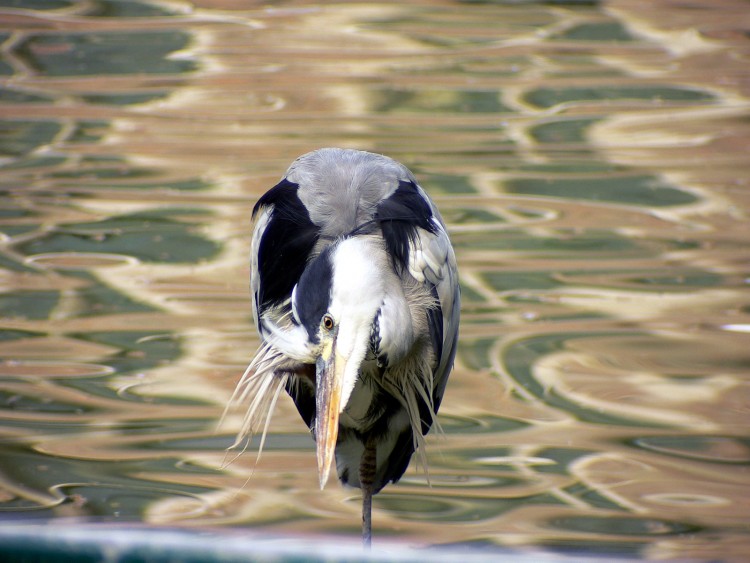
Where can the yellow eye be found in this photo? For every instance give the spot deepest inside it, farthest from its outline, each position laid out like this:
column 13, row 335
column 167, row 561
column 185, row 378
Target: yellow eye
column 327, row 322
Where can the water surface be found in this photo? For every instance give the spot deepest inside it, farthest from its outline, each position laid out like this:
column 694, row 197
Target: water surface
column 590, row 159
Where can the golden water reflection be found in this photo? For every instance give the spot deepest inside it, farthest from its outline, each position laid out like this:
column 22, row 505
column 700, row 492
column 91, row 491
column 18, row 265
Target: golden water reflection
column 590, row 159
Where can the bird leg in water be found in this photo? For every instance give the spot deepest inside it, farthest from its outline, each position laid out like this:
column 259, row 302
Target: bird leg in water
column 367, row 468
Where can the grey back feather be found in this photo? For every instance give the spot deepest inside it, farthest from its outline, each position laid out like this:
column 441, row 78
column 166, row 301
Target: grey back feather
column 341, row 189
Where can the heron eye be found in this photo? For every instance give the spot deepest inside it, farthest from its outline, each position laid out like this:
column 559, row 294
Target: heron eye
column 328, row 322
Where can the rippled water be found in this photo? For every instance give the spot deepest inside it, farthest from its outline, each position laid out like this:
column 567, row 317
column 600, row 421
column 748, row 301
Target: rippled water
column 590, row 158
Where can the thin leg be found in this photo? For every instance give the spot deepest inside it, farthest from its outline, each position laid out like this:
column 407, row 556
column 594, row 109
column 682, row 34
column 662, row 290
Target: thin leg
column 366, row 478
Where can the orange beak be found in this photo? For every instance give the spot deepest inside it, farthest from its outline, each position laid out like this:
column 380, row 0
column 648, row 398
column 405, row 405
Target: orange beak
column 329, row 377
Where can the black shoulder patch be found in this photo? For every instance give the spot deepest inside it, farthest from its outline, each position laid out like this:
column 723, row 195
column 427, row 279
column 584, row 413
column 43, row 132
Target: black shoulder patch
column 284, row 190
column 399, row 216
column 285, row 245
column 314, row 292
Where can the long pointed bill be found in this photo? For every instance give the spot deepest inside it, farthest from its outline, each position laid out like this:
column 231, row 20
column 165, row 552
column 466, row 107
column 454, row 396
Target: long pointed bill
column 329, row 377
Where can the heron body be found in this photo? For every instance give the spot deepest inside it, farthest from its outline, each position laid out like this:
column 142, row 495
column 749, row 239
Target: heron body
column 355, row 296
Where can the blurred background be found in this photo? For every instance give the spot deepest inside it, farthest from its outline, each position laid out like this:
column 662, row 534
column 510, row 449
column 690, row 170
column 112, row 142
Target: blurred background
column 590, row 159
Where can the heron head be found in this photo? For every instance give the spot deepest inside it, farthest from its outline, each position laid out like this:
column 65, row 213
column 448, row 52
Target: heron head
column 334, row 305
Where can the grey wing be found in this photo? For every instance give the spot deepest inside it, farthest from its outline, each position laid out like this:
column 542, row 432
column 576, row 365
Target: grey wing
column 284, row 239
column 416, row 239
column 432, row 260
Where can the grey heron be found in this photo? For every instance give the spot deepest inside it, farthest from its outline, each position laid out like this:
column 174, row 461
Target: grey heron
column 355, row 296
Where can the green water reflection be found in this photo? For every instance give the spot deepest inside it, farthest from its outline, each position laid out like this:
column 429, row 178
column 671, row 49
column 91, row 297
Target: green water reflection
column 130, row 52
column 629, row 190
column 150, row 237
